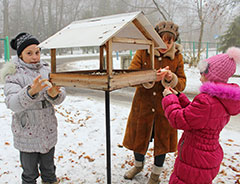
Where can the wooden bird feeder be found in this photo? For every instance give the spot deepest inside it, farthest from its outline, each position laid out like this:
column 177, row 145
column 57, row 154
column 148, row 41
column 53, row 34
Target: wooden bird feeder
column 120, row 32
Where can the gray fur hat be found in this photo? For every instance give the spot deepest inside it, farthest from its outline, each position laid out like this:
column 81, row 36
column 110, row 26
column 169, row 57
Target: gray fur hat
column 167, row 26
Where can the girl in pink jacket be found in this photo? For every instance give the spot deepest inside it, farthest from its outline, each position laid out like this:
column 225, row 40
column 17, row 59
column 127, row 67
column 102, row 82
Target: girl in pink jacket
column 199, row 152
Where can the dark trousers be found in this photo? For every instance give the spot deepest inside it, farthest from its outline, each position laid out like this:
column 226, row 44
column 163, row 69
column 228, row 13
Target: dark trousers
column 33, row 162
column 158, row 160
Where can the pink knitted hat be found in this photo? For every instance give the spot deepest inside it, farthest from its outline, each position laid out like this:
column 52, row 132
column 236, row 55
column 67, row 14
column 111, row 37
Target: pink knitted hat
column 221, row 67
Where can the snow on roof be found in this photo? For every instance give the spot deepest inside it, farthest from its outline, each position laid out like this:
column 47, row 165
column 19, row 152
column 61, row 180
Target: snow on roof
column 97, row 31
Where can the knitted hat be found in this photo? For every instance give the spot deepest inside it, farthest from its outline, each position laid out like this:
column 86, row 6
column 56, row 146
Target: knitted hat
column 21, row 41
column 221, row 67
column 167, row 26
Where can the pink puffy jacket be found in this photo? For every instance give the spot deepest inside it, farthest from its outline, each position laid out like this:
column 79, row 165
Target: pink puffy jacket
column 199, row 152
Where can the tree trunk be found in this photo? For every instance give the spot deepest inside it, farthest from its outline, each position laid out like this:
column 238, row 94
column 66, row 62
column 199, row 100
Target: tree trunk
column 34, row 29
column 50, row 22
column 200, row 41
column 5, row 18
column 61, row 14
column 19, row 14
column 200, row 16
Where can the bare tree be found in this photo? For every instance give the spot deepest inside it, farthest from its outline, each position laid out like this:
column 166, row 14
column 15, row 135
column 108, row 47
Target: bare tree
column 18, row 14
column 161, row 9
column 209, row 12
column 34, row 31
column 5, row 18
column 50, row 18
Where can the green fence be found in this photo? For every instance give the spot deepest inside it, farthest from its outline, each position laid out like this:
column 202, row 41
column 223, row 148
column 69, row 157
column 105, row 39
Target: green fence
column 6, row 48
column 207, row 48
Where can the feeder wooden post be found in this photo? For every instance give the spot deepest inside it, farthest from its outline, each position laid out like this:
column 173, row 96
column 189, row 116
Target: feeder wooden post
column 109, row 57
column 152, row 55
column 101, row 57
column 53, row 61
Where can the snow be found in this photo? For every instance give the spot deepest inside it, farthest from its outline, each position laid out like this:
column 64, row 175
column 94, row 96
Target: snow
column 80, row 155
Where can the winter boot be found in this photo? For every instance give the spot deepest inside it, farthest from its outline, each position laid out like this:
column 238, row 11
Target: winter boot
column 154, row 177
column 56, row 182
column 137, row 168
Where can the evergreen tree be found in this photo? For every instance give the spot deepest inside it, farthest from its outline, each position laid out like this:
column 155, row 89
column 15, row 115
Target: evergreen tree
column 231, row 36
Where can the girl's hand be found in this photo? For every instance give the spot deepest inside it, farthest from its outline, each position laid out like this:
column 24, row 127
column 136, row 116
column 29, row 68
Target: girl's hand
column 167, row 91
column 161, row 73
column 37, row 86
column 173, row 91
column 53, row 91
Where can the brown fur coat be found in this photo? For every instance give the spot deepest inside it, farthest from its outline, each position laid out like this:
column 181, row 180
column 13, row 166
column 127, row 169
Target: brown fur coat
column 147, row 109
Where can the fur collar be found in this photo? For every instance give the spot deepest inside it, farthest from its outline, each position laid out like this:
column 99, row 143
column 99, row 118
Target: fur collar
column 8, row 68
column 176, row 48
column 221, row 90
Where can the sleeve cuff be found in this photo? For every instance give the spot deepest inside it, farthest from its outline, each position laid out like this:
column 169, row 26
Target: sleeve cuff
column 172, row 83
column 148, row 85
column 32, row 97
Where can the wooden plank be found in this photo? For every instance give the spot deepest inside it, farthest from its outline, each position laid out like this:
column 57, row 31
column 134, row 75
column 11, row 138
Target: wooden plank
column 103, row 82
column 109, row 57
column 78, row 76
column 101, row 57
column 131, row 79
column 78, row 80
column 53, row 61
column 143, row 31
column 152, row 55
column 131, row 41
column 81, row 84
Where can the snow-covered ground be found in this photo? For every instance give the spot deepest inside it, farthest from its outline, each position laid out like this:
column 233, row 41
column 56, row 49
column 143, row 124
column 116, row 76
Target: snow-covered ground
column 81, row 150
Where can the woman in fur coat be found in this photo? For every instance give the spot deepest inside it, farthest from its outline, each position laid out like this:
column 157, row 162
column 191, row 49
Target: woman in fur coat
column 199, row 152
column 146, row 120
column 32, row 97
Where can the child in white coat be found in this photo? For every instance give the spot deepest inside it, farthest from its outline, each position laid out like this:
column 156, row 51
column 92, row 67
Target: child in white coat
column 31, row 97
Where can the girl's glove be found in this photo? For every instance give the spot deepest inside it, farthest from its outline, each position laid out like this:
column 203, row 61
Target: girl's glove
column 167, row 91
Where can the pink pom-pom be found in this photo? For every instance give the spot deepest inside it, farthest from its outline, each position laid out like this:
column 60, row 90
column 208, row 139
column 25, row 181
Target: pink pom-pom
column 234, row 52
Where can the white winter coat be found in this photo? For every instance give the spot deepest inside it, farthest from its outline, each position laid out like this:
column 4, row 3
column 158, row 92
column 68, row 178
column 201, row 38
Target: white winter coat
column 34, row 124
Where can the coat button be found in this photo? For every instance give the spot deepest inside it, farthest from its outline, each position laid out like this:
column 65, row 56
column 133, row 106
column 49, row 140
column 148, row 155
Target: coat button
column 153, row 110
column 159, row 59
column 154, row 93
column 145, row 63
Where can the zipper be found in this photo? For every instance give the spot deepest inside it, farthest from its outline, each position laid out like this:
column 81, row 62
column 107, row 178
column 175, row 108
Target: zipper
column 180, row 151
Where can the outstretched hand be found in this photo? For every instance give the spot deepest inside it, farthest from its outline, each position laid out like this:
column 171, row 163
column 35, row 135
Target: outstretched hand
column 169, row 90
column 37, row 86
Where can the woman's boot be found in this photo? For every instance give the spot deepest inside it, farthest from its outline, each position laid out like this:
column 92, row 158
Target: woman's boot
column 154, row 177
column 137, row 168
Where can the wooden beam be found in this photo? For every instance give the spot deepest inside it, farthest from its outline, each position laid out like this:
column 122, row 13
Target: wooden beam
column 131, row 41
column 109, row 57
column 103, row 82
column 152, row 55
column 101, row 57
column 53, row 61
column 144, row 31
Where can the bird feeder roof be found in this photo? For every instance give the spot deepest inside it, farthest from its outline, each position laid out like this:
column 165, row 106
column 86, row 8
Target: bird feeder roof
column 97, row 31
